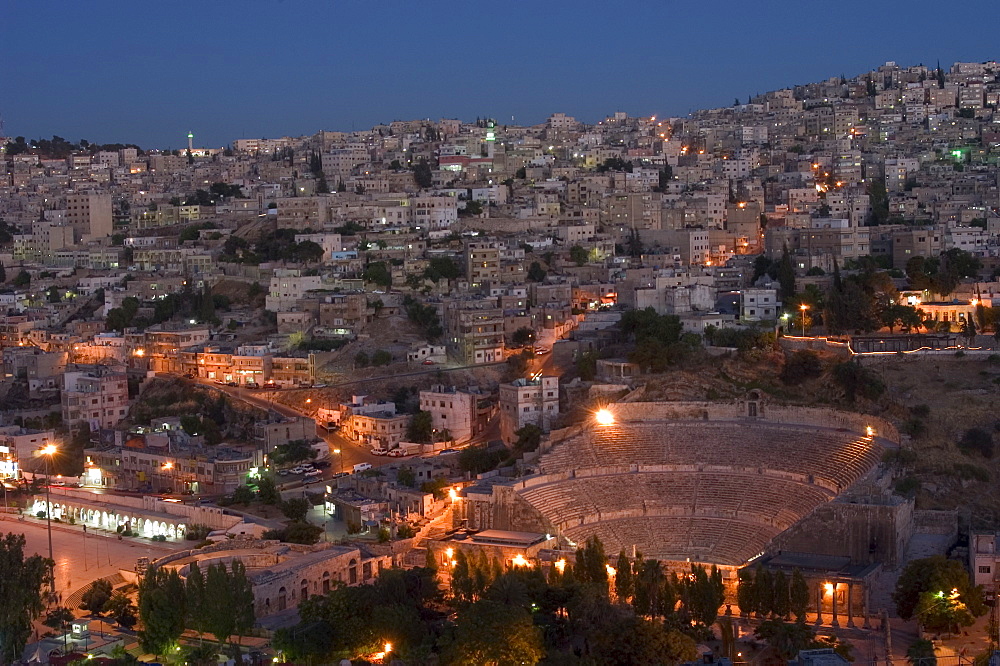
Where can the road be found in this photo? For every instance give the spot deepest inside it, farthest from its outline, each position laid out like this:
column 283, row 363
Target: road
column 351, row 454
column 81, row 558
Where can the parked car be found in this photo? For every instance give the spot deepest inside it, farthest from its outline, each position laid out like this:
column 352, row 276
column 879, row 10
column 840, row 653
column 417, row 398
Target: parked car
column 297, row 470
column 428, row 362
column 397, row 453
column 445, row 452
column 313, row 473
column 232, row 384
column 380, row 452
column 321, row 464
column 188, row 375
column 361, row 467
column 283, row 472
column 339, row 475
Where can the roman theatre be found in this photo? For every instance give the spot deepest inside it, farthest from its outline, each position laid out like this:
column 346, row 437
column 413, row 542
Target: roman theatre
column 699, row 482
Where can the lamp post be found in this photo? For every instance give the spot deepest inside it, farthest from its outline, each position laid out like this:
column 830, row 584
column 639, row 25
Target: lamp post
column 340, row 459
column 168, row 466
column 803, row 309
column 48, row 452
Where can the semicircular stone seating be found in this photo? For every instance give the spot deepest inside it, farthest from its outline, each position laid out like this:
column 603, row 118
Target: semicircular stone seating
column 711, row 492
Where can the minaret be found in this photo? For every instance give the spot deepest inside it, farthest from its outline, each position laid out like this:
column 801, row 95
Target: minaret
column 190, row 141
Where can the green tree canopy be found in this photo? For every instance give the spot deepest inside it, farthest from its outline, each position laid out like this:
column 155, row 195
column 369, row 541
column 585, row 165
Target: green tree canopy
column 20, row 589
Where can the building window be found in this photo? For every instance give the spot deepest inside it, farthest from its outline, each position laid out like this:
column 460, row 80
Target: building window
column 984, row 570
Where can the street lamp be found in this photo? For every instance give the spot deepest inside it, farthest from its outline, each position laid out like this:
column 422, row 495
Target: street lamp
column 604, row 417
column 340, row 458
column 48, row 452
column 803, row 308
column 168, row 466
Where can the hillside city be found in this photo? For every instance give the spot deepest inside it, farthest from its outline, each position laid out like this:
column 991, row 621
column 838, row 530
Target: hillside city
column 718, row 388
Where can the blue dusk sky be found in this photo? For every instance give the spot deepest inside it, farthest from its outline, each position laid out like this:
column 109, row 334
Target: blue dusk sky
column 147, row 72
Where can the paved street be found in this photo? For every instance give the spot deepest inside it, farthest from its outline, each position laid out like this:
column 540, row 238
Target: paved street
column 82, row 558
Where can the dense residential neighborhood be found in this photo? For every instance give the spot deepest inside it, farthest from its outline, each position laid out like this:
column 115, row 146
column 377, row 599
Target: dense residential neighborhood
column 568, row 381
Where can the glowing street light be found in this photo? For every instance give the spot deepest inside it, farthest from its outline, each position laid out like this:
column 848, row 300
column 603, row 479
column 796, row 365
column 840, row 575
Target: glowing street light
column 48, row 452
column 803, row 308
column 604, row 417
column 560, row 564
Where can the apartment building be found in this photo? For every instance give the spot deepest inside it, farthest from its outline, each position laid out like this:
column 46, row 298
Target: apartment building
column 453, row 410
column 96, row 395
column 90, row 214
column 526, row 401
column 475, row 330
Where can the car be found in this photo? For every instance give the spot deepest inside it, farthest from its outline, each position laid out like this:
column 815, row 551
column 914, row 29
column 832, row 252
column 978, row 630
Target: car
column 188, row 375
column 283, row 472
column 397, row 453
column 339, row 475
column 379, row 452
column 319, row 386
column 297, row 470
column 314, row 473
column 429, row 362
column 321, row 464
column 445, row 452
column 362, row 467
column 232, row 384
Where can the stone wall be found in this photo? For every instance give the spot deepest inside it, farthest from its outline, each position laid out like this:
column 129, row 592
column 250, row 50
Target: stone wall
column 867, row 532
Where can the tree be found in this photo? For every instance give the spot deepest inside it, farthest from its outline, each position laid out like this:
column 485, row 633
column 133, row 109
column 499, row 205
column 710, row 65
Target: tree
column 96, row 598
column 378, row 272
column 943, row 611
column 624, row 584
column 121, row 609
column 243, row 494
column 161, row 610
column 361, row 359
column 22, row 279
column 196, row 600
column 640, row 642
column 578, row 255
column 296, row 508
column 3, row 274
column 801, row 366
column 528, row 438
column 921, row 653
column 421, row 428
column 935, row 574
column 786, row 639
column 422, row 174
column 381, row 357
column 746, row 591
column 496, row 634
column 786, row 274
column 798, row 596
column 267, row 490
column 20, row 589
column 782, row 598
column 535, row 272
column 878, row 198
column 522, row 336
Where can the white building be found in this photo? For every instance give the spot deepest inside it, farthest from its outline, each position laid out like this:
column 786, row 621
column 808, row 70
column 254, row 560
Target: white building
column 759, row 304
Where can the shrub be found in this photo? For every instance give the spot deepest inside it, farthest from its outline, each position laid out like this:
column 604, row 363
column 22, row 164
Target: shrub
column 405, row 531
column 972, row 472
column 908, row 486
column 899, row 456
column 800, row 366
column 978, row 441
column 914, row 428
column 197, row 532
column 921, row 411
